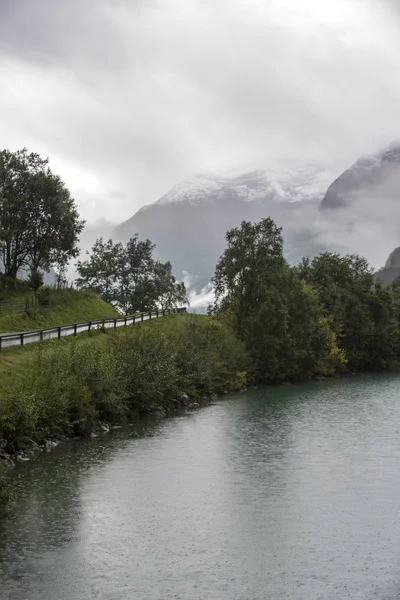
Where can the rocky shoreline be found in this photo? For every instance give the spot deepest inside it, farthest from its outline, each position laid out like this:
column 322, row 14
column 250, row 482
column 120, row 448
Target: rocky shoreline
column 23, row 449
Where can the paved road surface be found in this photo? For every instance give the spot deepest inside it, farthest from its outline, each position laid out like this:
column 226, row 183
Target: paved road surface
column 14, row 339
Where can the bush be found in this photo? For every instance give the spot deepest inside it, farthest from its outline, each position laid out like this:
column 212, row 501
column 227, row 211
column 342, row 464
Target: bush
column 43, row 295
column 4, row 489
column 35, row 280
column 129, row 370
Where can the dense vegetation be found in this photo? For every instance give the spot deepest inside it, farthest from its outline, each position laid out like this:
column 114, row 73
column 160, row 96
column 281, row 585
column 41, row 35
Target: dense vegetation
column 39, row 231
column 64, row 386
column 321, row 317
column 135, row 370
column 129, row 276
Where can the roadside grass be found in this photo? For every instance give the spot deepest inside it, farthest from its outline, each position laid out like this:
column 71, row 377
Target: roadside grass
column 109, row 373
column 66, row 307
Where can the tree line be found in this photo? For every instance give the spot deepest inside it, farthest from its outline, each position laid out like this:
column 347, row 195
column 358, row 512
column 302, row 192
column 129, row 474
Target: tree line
column 325, row 315
column 129, row 276
column 40, row 229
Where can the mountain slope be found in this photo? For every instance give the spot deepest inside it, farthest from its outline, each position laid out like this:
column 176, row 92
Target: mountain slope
column 188, row 224
column 367, row 176
column 391, row 270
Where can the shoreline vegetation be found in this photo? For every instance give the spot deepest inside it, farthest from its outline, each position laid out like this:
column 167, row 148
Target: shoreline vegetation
column 81, row 386
column 270, row 323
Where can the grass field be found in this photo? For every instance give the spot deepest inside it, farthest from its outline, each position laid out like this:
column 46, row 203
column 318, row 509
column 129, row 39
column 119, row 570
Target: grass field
column 66, row 307
column 19, row 359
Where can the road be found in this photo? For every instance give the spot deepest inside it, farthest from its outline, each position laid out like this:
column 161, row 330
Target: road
column 27, row 337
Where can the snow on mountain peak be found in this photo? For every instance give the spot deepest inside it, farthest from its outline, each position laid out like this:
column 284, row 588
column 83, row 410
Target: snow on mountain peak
column 287, row 182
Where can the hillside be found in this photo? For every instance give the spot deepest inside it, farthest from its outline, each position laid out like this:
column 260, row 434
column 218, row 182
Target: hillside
column 189, row 223
column 373, row 176
column 391, row 270
column 65, row 307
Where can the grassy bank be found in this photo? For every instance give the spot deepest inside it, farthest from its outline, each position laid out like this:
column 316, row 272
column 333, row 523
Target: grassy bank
column 140, row 369
column 63, row 307
column 63, row 387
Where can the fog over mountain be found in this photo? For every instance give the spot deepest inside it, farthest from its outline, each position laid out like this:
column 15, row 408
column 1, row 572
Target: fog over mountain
column 356, row 212
column 188, row 224
column 130, row 97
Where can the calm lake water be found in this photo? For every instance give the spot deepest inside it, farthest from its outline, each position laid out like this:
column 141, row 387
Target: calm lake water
column 289, row 492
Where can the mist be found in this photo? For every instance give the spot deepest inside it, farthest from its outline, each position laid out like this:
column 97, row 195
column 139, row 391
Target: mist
column 128, row 97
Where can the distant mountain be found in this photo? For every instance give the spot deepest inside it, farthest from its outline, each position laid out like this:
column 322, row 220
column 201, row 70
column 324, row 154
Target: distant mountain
column 391, row 270
column 189, row 223
column 367, row 176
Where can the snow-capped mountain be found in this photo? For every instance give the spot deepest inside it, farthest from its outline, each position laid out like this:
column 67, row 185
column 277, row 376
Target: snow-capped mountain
column 366, row 177
column 287, row 182
column 188, row 224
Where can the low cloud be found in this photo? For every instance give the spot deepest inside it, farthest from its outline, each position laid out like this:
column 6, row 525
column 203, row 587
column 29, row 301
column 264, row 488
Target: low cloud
column 128, row 97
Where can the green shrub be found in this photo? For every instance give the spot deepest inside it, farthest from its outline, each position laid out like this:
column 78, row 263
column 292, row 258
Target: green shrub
column 43, row 295
column 133, row 369
column 4, row 488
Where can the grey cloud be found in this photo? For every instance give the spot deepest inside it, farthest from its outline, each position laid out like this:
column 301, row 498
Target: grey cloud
column 73, row 32
column 140, row 94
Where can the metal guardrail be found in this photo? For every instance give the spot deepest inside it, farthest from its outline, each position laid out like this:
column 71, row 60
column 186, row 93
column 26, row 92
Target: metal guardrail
column 26, row 337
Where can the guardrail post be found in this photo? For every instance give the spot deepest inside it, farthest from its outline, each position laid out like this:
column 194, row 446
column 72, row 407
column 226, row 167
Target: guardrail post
column 156, row 314
column 115, row 322
column 150, row 315
column 75, row 328
column 0, row 341
column 41, row 335
column 125, row 321
column 59, row 333
column 104, row 324
column 142, row 317
column 89, row 325
column 22, row 339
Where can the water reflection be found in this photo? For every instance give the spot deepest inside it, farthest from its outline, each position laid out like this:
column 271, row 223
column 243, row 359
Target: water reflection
column 284, row 493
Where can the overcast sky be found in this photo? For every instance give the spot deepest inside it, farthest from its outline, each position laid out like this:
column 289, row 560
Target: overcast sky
column 127, row 97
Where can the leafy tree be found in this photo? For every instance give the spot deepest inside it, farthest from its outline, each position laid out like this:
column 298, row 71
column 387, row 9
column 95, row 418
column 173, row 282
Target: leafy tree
column 101, row 270
column 134, row 290
column 129, row 277
column 353, row 301
column 35, row 280
column 168, row 293
column 39, row 221
column 277, row 313
column 247, row 268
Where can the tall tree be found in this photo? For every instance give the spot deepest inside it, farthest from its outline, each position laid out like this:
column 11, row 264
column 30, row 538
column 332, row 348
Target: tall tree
column 39, row 222
column 277, row 314
column 129, row 276
column 168, row 293
column 134, row 290
column 101, row 270
column 253, row 257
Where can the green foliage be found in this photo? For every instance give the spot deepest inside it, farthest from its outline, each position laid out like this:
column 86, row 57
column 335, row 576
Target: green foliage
column 43, row 295
column 250, row 263
column 110, row 374
column 362, row 311
column 4, row 488
column 277, row 314
column 187, row 354
column 323, row 316
column 39, row 222
column 129, row 277
column 64, row 384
